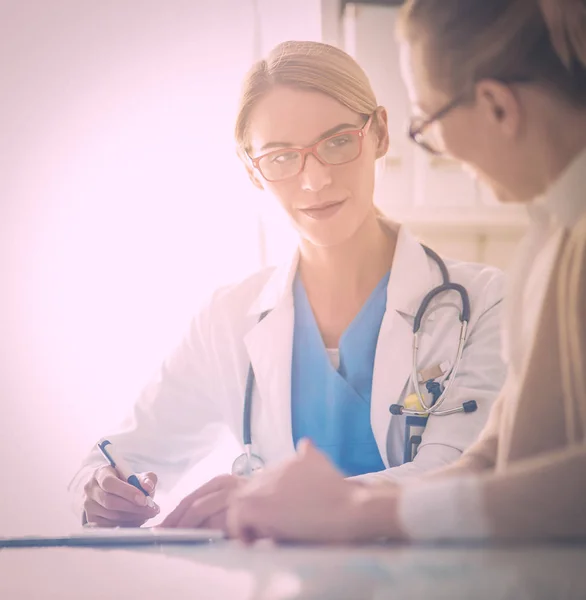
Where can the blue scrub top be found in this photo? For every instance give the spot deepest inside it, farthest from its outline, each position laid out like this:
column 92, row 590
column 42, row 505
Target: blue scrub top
column 332, row 407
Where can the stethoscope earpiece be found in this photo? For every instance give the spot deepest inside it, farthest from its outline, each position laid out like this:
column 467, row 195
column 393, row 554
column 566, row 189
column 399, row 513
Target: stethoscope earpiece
column 467, row 407
column 470, row 406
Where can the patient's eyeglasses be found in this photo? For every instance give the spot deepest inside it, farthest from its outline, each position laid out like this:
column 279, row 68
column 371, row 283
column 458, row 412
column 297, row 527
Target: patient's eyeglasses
column 337, row 149
column 423, row 132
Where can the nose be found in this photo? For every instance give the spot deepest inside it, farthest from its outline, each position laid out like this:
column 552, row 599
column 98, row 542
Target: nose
column 315, row 175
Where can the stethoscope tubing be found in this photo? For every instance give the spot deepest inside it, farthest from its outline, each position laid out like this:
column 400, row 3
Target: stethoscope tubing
column 428, row 410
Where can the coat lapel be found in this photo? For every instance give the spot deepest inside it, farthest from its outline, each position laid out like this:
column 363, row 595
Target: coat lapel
column 411, row 278
column 269, row 345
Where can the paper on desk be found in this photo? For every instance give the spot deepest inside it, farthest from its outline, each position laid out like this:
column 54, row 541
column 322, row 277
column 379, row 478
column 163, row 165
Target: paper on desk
column 119, row 536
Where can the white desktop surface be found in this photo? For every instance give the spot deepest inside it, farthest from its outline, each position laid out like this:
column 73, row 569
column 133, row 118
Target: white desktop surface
column 229, row 571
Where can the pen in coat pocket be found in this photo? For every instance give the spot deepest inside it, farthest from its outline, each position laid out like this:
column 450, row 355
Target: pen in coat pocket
column 122, row 468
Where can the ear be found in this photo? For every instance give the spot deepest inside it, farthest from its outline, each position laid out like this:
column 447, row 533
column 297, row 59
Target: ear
column 500, row 105
column 381, row 128
column 249, row 169
column 254, row 177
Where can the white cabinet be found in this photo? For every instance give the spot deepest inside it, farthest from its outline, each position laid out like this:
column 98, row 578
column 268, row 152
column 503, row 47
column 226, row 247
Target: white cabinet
column 443, row 205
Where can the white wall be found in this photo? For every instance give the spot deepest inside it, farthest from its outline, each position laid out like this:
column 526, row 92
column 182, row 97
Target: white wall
column 121, row 205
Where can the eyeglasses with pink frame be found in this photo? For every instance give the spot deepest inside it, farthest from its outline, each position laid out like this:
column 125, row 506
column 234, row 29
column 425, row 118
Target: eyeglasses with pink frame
column 303, row 152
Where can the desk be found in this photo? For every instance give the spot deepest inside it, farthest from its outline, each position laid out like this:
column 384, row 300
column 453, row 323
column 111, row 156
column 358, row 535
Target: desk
column 228, row 571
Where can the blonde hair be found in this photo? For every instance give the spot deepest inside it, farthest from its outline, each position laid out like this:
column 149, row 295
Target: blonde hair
column 571, row 301
column 542, row 41
column 309, row 66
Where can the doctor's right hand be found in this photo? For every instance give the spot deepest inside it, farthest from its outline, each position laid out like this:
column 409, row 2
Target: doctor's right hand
column 111, row 502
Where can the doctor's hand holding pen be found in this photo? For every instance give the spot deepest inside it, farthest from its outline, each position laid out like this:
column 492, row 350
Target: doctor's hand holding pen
column 117, row 497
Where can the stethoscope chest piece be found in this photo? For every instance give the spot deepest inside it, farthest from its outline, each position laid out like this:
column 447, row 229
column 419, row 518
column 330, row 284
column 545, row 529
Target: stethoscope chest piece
column 245, row 465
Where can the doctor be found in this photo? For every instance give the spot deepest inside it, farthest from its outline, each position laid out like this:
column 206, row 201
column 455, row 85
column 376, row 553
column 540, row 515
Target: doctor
column 324, row 345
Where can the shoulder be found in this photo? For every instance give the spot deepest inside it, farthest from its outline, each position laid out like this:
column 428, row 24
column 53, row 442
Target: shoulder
column 224, row 317
column 236, row 299
column 485, row 284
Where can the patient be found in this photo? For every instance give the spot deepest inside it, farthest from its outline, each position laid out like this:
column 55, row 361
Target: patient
column 500, row 87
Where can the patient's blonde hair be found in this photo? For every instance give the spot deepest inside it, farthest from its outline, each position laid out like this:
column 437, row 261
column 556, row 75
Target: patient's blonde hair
column 571, row 302
column 309, row 66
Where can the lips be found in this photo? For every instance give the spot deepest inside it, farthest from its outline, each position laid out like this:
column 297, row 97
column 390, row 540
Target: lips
column 322, row 206
column 323, row 211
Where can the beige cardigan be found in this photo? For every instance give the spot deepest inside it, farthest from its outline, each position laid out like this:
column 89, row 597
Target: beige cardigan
column 526, row 474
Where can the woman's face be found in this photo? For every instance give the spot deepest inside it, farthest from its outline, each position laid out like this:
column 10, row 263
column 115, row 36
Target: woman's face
column 326, row 203
column 483, row 135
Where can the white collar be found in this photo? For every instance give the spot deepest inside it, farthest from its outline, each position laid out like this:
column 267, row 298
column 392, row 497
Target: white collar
column 411, row 277
column 565, row 200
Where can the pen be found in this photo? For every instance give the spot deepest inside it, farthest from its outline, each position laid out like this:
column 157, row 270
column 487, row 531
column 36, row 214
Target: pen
column 122, row 468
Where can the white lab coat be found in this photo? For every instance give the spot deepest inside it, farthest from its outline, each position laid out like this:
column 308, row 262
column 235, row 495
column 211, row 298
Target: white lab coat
column 200, row 387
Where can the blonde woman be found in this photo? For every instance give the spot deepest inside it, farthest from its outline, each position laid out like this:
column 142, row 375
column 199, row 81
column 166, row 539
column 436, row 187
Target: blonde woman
column 321, row 347
column 500, row 86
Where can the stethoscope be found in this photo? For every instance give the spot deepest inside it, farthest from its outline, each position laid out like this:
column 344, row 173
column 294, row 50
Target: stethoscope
column 249, row 462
